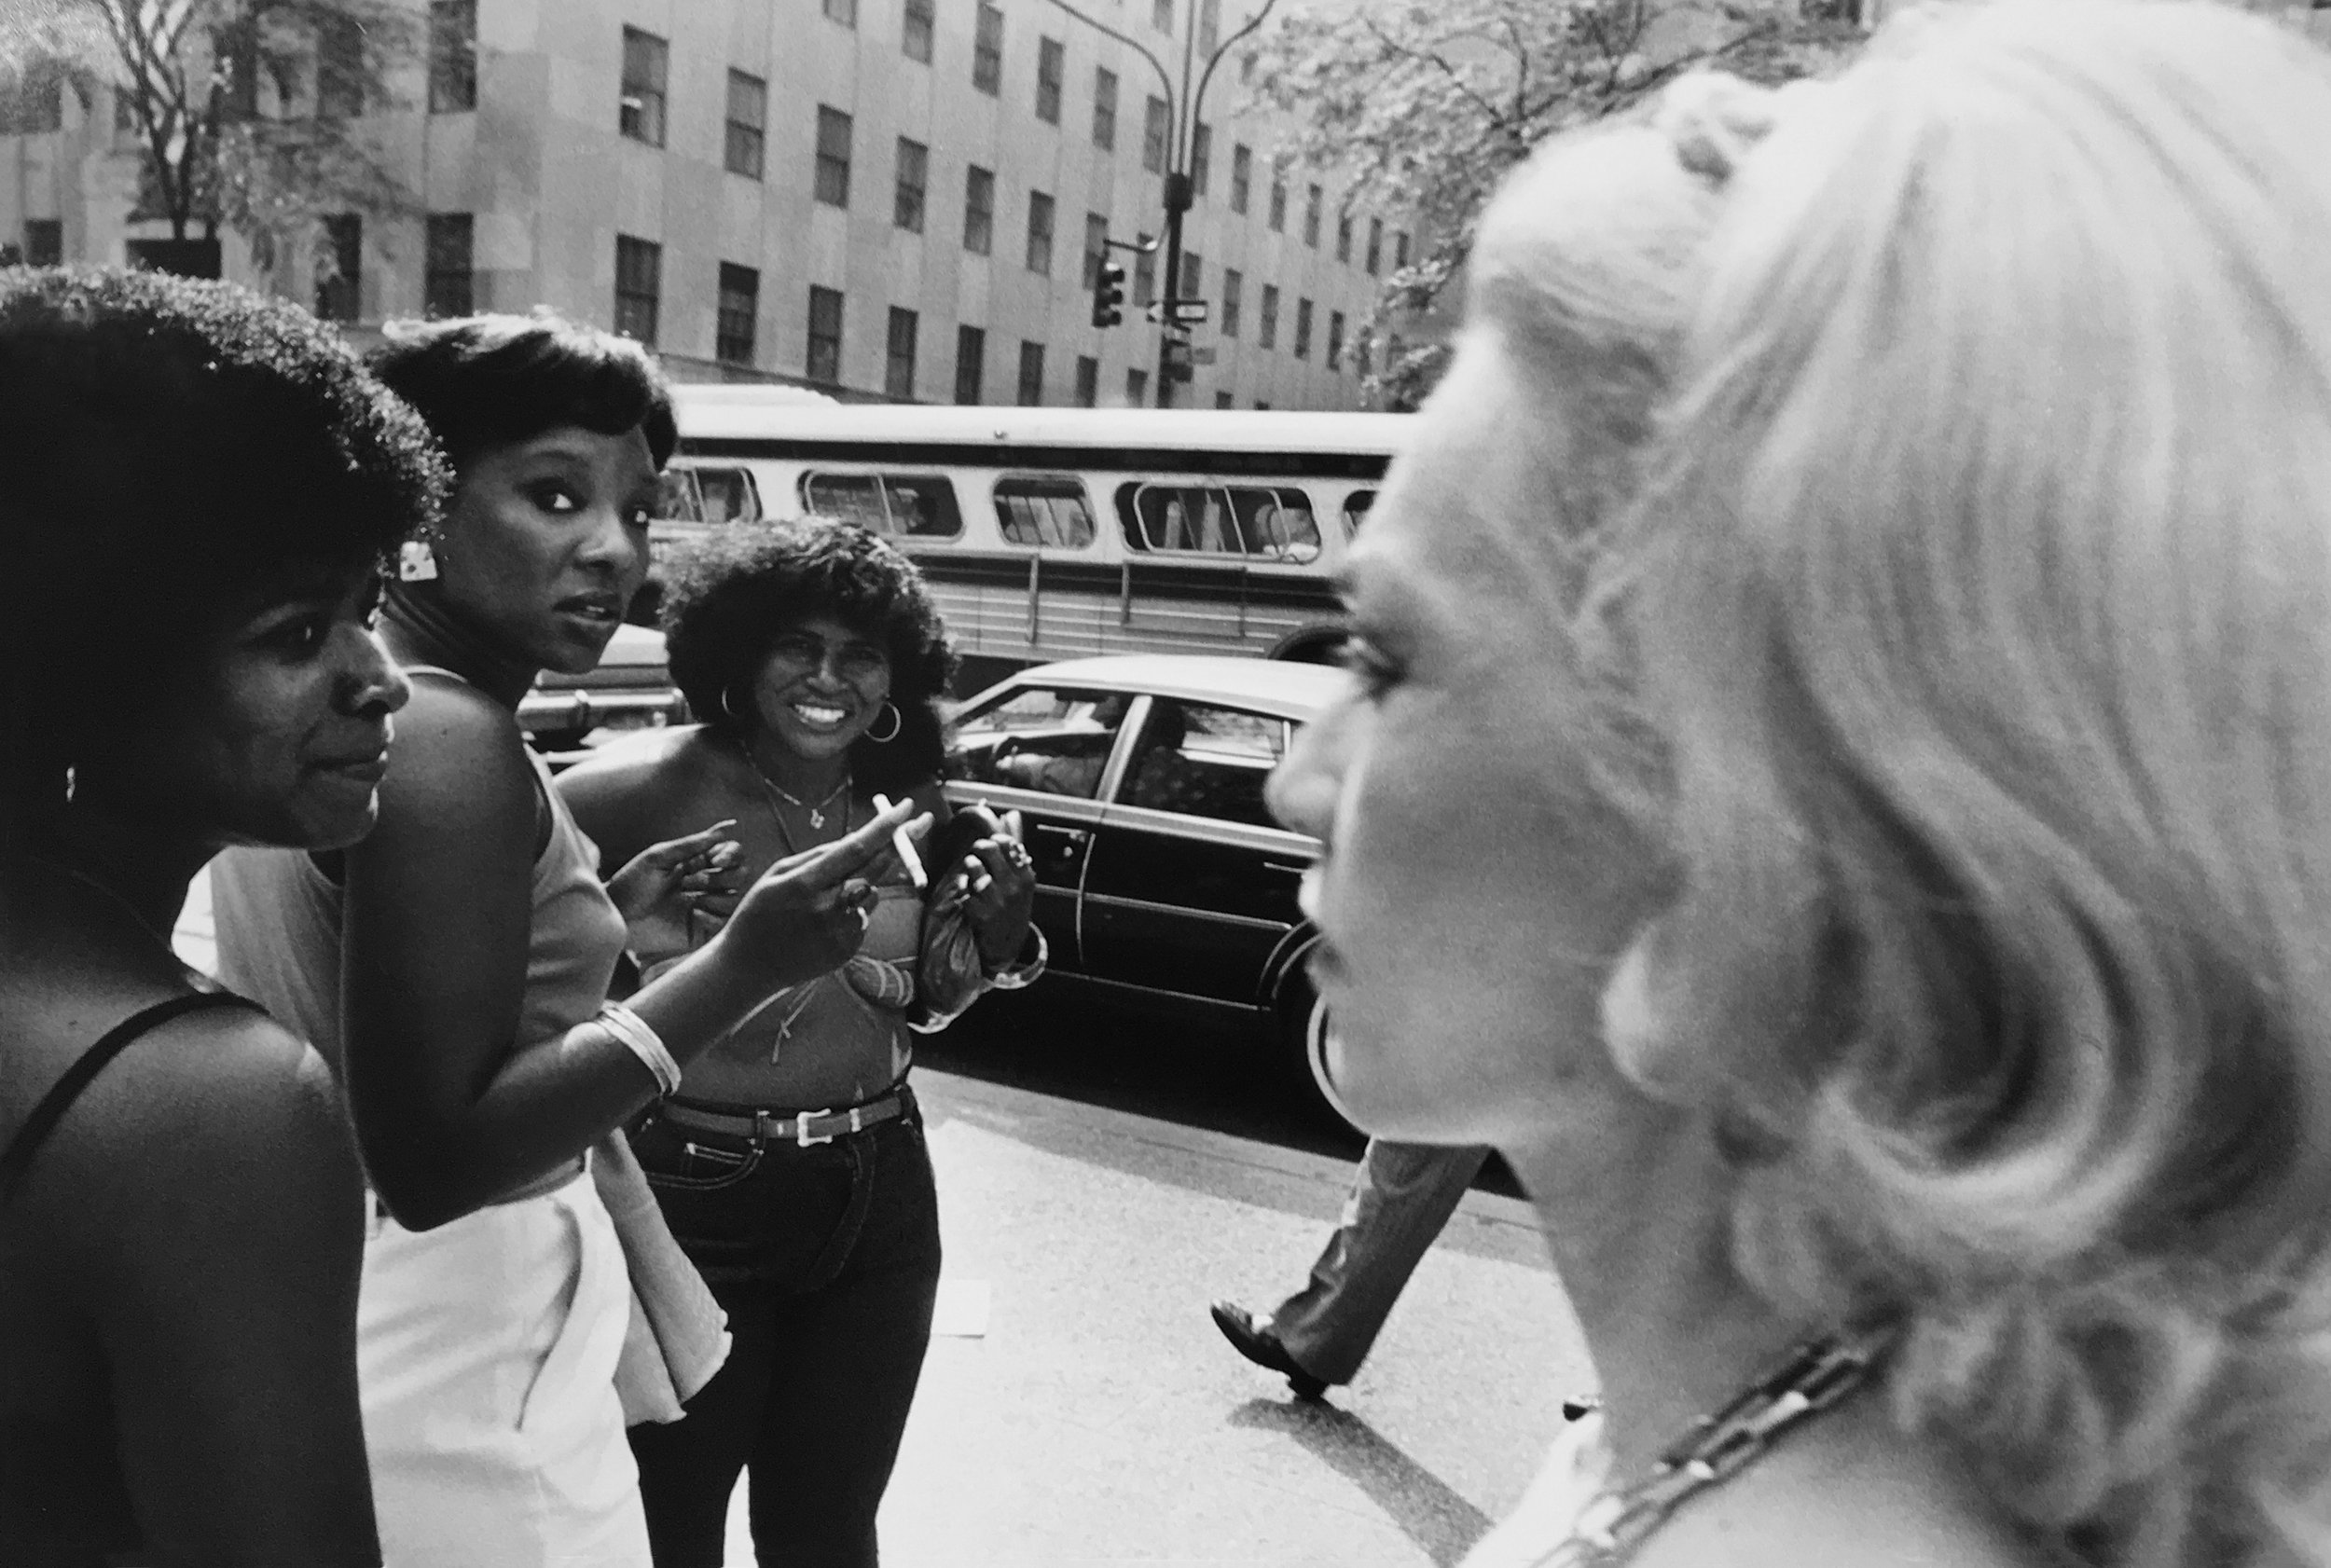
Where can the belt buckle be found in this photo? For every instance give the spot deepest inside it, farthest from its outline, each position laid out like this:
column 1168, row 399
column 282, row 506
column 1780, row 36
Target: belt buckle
column 801, row 1128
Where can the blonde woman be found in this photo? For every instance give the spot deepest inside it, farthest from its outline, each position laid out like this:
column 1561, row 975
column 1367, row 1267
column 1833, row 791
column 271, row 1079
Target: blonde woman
column 1878, row 897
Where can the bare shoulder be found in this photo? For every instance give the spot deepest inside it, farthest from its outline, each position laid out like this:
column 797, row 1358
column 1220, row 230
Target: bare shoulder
column 455, row 746
column 636, row 762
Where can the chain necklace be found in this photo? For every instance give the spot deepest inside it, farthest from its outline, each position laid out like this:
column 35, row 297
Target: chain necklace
column 1815, row 1376
column 816, row 813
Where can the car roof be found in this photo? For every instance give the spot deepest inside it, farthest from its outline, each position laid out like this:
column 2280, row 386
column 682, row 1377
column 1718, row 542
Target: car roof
column 1281, row 686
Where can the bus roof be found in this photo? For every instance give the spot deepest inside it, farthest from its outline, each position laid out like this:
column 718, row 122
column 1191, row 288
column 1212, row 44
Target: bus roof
column 724, row 419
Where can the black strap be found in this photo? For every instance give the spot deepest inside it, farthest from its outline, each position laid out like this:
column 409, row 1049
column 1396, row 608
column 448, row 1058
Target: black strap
column 60, row 1098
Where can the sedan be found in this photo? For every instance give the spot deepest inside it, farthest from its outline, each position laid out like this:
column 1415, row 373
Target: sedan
column 1162, row 879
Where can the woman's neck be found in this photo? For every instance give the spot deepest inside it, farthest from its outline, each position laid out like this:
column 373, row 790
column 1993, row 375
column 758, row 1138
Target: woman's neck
column 1635, row 1206
column 420, row 629
column 807, row 778
column 144, row 869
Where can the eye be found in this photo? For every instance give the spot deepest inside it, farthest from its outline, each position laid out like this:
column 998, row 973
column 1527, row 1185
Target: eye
column 1377, row 673
column 298, row 635
column 553, row 495
column 864, row 660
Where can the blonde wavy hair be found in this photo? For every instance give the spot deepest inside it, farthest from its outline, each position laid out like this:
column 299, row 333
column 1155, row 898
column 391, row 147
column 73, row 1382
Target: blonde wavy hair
column 1970, row 655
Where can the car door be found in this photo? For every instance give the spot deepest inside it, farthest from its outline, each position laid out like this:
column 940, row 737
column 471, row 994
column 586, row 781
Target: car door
column 1047, row 752
column 1191, row 887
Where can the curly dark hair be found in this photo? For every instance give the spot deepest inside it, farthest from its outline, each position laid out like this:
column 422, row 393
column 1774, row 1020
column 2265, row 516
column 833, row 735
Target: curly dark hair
column 484, row 381
column 178, row 454
column 732, row 597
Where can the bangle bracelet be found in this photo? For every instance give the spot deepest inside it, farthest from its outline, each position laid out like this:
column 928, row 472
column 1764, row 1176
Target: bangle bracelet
column 643, row 1043
column 1023, row 974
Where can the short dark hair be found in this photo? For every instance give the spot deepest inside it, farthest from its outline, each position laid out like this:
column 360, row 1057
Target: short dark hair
column 731, row 598
column 177, row 452
column 484, row 381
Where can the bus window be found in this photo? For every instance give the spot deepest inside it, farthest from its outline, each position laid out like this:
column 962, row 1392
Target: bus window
column 846, row 498
column 1043, row 512
column 1190, row 517
column 676, row 498
column 918, row 505
column 727, row 495
column 1355, row 506
column 1278, row 524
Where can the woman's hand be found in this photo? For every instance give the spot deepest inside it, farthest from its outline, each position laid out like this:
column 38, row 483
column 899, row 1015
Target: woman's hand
column 808, row 912
column 995, row 885
column 658, row 888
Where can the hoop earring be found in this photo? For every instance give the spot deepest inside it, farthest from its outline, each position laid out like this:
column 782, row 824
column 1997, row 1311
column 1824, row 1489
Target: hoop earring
column 898, row 723
column 729, row 709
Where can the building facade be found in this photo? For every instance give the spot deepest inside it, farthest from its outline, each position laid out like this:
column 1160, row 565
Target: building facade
column 900, row 198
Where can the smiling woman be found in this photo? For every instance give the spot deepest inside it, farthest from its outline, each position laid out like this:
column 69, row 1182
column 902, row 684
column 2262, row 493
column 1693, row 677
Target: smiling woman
column 457, row 964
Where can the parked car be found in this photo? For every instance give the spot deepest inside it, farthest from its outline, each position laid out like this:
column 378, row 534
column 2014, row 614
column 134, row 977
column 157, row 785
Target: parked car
column 1162, row 879
column 631, row 689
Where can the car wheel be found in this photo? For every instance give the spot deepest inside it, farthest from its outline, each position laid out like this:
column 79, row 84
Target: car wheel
column 1303, row 1025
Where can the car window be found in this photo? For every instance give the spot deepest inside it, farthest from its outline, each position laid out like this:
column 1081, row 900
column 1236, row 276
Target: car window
column 1047, row 512
column 1040, row 737
column 915, row 506
column 1198, row 759
column 1355, row 509
column 676, row 498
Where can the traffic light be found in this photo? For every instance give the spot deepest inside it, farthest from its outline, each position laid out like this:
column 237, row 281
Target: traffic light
column 1109, row 294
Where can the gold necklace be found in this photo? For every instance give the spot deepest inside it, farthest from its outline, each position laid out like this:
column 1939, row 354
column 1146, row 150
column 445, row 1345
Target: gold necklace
column 772, row 794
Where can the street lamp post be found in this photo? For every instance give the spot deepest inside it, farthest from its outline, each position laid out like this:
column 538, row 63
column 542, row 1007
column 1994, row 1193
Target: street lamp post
column 1182, row 111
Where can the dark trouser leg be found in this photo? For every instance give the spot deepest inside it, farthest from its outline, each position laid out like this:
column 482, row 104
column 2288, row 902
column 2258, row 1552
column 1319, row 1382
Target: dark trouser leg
column 1401, row 1196
column 688, row 1469
column 847, row 1359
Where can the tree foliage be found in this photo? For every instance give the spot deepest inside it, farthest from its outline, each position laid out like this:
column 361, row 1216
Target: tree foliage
column 1422, row 106
column 243, row 113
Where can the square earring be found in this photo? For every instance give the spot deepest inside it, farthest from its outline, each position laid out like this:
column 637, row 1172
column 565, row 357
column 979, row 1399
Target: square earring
column 416, row 563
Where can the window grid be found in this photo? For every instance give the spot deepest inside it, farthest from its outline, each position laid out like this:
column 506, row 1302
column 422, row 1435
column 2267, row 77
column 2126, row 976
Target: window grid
column 1105, row 108
column 914, row 176
column 1267, row 322
column 979, row 210
column 43, row 243
column 1278, row 204
column 824, row 361
column 1233, row 292
column 1096, row 248
column 987, row 51
column 340, row 67
column 832, row 177
column 971, row 363
column 1241, row 176
column 1400, row 250
column 1375, row 246
column 447, row 274
column 1040, row 215
column 1088, row 380
column 453, row 55
column 746, row 138
column 1050, row 59
column 1343, row 238
column 638, row 287
column 1032, row 374
column 646, row 62
column 916, row 31
column 1154, row 134
column 898, row 370
column 1312, row 199
column 1302, row 329
column 736, row 321
column 1336, row 340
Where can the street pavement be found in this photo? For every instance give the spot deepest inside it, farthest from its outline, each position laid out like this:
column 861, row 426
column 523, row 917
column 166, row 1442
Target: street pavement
column 1079, row 1407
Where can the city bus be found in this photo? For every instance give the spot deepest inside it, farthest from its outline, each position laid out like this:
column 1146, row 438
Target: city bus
column 1059, row 533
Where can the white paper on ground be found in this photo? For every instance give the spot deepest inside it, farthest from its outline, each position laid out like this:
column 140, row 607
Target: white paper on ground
column 961, row 1311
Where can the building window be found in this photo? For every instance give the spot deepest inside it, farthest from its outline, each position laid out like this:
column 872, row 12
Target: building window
column 1145, row 277
column 733, row 327
column 1032, row 374
column 1312, row 199
column 1154, row 134
column 340, row 67
column 1088, row 380
column 833, row 182
column 979, row 210
column 1039, row 233
column 1343, row 238
column 1302, row 329
column 1105, row 108
column 1261, row 404
column 1050, row 59
column 1209, row 27
column 445, row 288
column 1192, row 279
column 1233, row 292
column 1335, row 339
column 1162, row 15
column 1400, row 250
column 1278, row 203
column 453, row 55
column 915, row 38
column 824, row 362
column 1363, row 355
column 1241, row 176
column 1137, row 386
column 971, row 363
column 898, row 365
column 1222, row 400
column 43, row 243
column 843, row 11
column 1096, row 248
column 1375, row 246
column 1267, row 323
column 906, row 202
column 748, row 125
column 1201, row 158
column 646, row 62
column 340, row 268
column 987, row 51
column 638, row 286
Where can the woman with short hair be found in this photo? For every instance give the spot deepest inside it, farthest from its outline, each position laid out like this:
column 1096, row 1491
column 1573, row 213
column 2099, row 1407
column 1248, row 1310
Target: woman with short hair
column 1874, row 889
column 456, row 966
column 203, row 486
column 792, row 1163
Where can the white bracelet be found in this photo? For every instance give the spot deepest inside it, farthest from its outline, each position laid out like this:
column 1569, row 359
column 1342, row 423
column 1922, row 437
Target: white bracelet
column 1024, row 975
column 644, row 1043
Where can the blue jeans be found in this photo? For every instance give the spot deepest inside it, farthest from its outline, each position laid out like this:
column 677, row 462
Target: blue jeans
column 827, row 1260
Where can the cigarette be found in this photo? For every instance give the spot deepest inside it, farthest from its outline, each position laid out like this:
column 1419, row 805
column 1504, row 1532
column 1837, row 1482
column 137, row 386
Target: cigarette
column 905, row 847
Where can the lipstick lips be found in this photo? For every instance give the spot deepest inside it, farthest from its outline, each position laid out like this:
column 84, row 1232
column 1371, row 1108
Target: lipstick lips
column 593, row 605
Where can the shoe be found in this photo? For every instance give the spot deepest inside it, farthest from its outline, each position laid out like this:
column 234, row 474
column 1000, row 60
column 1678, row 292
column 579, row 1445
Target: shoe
column 1257, row 1343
